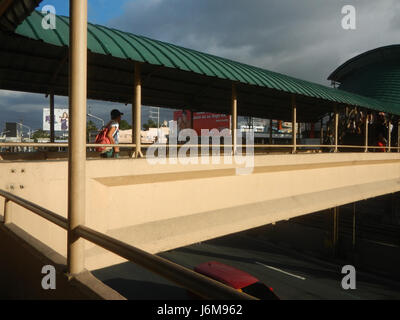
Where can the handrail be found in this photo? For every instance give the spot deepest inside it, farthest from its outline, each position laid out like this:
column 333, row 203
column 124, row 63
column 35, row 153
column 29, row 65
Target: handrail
column 44, row 213
column 184, row 277
column 123, row 145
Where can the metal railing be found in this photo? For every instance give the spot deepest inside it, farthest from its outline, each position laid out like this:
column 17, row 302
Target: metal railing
column 295, row 147
column 183, row 277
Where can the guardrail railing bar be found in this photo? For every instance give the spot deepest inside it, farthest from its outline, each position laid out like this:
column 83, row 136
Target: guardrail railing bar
column 186, row 278
column 122, row 145
column 44, row 213
column 182, row 276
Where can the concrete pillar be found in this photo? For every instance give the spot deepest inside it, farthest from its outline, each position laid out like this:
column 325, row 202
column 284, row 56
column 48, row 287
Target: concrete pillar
column 366, row 133
column 7, row 211
column 137, row 112
column 234, row 118
column 52, row 134
column 77, row 136
column 389, row 137
column 294, row 124
column 336, row 129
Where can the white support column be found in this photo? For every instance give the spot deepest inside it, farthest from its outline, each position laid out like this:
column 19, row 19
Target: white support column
column 77, row 139
column 234, row 118
column 389, row 136
column 52, row 134
column 366, row 132
column 270, row 132
column 398, row 136
column 294, row 124
column 322, row 132
column 7, row 211
column 137, row 112
column 336, row 129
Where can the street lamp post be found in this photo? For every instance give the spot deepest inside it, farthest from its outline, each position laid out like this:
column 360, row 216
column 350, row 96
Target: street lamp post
column 97, row 118
column 29, row 128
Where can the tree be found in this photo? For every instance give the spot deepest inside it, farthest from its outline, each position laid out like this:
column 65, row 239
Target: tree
column 124, row 125
column 150, row 124
column 40, row 134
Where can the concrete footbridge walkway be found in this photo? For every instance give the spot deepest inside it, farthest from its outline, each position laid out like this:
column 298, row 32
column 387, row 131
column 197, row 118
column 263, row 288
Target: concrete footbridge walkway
column 82, row 214
column 162, row 207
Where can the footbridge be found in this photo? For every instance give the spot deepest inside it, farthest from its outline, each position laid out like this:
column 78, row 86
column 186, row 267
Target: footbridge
column 162, row 207
column 80, row 213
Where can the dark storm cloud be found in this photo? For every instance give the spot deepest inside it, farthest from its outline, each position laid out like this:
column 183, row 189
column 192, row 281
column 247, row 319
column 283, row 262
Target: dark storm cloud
column 303, row 38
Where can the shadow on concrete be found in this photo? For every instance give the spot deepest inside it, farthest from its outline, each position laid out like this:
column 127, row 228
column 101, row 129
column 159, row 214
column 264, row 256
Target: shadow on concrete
column 146, row 290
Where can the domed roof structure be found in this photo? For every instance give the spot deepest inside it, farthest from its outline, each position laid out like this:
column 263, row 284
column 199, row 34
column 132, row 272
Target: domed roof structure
column 375, row 74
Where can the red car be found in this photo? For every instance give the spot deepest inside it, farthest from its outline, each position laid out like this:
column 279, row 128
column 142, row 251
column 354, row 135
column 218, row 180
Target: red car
column 236, row 279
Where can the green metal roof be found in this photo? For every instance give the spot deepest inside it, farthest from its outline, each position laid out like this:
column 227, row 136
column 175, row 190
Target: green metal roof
column 106, row 41
column 374, row 74
column 13, row 12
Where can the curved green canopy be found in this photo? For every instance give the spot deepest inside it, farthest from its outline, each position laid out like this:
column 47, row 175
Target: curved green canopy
column 188, row 77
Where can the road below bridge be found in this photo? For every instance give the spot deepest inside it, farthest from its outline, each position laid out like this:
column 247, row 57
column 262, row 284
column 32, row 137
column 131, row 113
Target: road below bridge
column 293, row 276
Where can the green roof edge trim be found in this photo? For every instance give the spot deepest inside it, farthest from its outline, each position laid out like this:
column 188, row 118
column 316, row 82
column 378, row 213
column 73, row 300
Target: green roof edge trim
column 125, row 45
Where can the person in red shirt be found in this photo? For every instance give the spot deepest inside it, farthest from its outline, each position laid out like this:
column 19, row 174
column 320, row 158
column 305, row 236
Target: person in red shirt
column 381, row 143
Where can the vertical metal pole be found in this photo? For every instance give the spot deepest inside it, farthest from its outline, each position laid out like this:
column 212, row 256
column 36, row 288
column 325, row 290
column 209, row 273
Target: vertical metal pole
column 52, row 135
column 398, row 136
column 7, row 211
column 335, row 230
column 137, row 112
column 77, row 139
column 294, row 124
column 389, row 136
column 336, row 129
column 234, row 118
column 270, row 132
column 366, row 133
column 354, row 226
column 322, row 132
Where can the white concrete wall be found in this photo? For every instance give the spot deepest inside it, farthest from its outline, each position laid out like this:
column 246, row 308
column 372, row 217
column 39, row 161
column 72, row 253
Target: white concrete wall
column 165, row 206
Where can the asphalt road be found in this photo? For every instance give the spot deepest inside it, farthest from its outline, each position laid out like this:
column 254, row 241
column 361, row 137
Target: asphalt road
column 291, row 275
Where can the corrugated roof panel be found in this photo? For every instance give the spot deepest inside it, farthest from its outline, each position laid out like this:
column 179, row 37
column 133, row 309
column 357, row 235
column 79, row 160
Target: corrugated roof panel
column 124, row 45
column 133, row 49
column 158, row 51
column 206, row 68
column 186, row 59
column 115, row 44
column 14, row 12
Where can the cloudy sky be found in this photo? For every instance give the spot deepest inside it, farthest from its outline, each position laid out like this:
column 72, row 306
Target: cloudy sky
column 302, row 38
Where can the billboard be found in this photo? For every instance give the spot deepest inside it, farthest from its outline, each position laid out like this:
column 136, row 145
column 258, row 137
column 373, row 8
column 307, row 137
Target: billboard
column 61, row 119
column 207, row 120
column 11, row 130
column 201, row 120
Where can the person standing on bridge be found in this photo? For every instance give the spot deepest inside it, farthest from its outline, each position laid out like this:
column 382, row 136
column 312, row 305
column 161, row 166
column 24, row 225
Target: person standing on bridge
column 113, row 134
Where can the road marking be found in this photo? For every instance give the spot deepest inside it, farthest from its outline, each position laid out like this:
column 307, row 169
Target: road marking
column 279, row 270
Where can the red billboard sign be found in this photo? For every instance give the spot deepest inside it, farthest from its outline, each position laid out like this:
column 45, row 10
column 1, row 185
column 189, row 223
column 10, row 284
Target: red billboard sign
column 201, row 120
